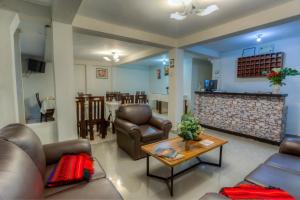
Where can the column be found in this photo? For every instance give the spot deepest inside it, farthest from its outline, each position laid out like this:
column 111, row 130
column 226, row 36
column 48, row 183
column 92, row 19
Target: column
column 176, row 93
column 9, row 22
column 63, row 61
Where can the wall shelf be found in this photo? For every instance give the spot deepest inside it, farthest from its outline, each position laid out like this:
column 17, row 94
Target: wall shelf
column 254, row 66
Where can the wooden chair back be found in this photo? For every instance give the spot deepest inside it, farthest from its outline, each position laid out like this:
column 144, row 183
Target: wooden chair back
column 141, row 99
column 37, row 96
column 96, row 108
column 80, row 117
column 96, row 111
column 128, row 99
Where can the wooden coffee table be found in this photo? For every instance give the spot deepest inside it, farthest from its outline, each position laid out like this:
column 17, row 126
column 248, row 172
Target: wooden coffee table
column 195, row 151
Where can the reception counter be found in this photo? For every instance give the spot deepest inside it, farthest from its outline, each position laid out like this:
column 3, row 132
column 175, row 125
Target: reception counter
column 260, row 116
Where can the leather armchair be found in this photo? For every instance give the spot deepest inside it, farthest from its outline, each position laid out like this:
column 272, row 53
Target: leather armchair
column 136, row 126
column 290, row 145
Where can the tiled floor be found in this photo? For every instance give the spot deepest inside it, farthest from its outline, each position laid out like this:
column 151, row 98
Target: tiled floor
column 240, row 156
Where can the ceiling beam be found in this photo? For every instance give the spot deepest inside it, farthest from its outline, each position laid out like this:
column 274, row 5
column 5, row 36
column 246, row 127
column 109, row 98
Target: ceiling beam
column 65, row 10
column 141, row 55
column 265, row 18
column 101, row 28
column 204, row 51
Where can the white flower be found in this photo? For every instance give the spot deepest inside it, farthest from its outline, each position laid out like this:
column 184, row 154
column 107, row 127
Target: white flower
column 277, row 70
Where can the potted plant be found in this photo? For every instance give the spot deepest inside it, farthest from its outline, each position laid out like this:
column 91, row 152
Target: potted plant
column 277, row 75
column 189, row 129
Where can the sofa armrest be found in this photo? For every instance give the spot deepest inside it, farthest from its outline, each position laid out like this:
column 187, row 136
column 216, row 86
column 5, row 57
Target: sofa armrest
column 290, row 146
column 128, row 128
column 213, row 196
column 161, row 124
column 53, row 152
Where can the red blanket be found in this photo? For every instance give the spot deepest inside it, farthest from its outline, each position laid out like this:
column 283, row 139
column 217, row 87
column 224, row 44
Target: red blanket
column 246, row 191
column 70, row 169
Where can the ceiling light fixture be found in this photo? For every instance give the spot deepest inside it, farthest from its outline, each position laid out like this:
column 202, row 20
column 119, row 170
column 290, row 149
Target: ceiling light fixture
column 259, row 38
column 191, row 7
column 114, row 57
column 107, row 58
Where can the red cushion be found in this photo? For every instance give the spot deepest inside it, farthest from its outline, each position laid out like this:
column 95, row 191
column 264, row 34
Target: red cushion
column 70, row 169
column 246, row 191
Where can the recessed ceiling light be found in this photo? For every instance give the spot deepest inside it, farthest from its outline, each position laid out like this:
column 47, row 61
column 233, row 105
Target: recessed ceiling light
column 177, row 16
column 259, row 38
column 175, row 2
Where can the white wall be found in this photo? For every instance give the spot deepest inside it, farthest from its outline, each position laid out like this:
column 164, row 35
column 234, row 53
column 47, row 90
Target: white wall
column 97, row 86
column 123, row 79
column 126, row 79
column 201, row 71
column 158, row 86
column 229, row 82
column 80, row 78
column 19, row 81
column 43, row 83
column 8, row 97
column 46, row 131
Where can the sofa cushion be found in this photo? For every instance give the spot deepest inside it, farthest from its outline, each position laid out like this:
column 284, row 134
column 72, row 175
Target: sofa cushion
column 20, row 177
column 285, row 162
column 97, row 189
column 99, row 173
column 150, row 133
column 28, row 141
column 269, row 176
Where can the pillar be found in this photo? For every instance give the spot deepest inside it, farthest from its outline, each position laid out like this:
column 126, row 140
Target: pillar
column 176, row 91
column 63, row 61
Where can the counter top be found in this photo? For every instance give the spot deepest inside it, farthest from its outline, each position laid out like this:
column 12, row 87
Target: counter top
column 245, row 94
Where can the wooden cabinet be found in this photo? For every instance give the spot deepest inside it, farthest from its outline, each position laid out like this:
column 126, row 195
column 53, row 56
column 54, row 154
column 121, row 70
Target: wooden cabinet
column 254, row 66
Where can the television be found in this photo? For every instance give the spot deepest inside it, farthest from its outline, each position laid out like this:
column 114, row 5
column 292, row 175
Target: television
column 210, row 85
column 36, row 66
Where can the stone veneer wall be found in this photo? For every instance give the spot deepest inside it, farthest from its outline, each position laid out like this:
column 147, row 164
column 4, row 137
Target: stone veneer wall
column 259, row 116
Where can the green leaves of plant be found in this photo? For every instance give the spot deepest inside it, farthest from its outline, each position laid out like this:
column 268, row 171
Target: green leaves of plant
column 189, row 128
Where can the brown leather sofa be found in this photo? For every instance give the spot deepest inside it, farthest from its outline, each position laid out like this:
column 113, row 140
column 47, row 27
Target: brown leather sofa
column 136, row 126
column 25, row 166
column 281, row 170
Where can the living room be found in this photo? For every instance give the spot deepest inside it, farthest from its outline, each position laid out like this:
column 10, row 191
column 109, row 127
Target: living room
column 172, row 99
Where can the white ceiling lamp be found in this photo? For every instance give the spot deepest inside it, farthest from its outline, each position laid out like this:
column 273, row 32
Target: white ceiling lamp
column 191, row 7
column 259, row 38
column 114, row 57
column 107, row 58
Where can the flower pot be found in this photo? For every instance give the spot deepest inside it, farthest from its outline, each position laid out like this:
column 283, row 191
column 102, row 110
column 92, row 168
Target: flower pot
column 188, row 145
column 276, row 89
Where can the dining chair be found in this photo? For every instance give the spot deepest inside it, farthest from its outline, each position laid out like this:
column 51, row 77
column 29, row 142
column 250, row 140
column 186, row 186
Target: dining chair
column 128, row 99
column 96, row 116
column 48, row 115
column 80, row 117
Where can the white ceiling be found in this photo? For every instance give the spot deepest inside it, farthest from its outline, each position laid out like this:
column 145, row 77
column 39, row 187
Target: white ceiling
column 32, row 37
column 153, row 15
column 40, row 2
column 278, row 32
column 87, row 47
column 148, row 62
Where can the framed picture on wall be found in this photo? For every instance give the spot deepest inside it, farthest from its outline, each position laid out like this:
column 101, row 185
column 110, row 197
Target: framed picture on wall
column 158, row 74
column 101, row 73
column 166, row 70
column 172, row 64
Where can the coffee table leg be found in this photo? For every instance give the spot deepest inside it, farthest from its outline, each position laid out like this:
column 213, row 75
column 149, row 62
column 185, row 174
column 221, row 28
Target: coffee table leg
column 220, row 156
column 172, row 178
column 147, row 165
